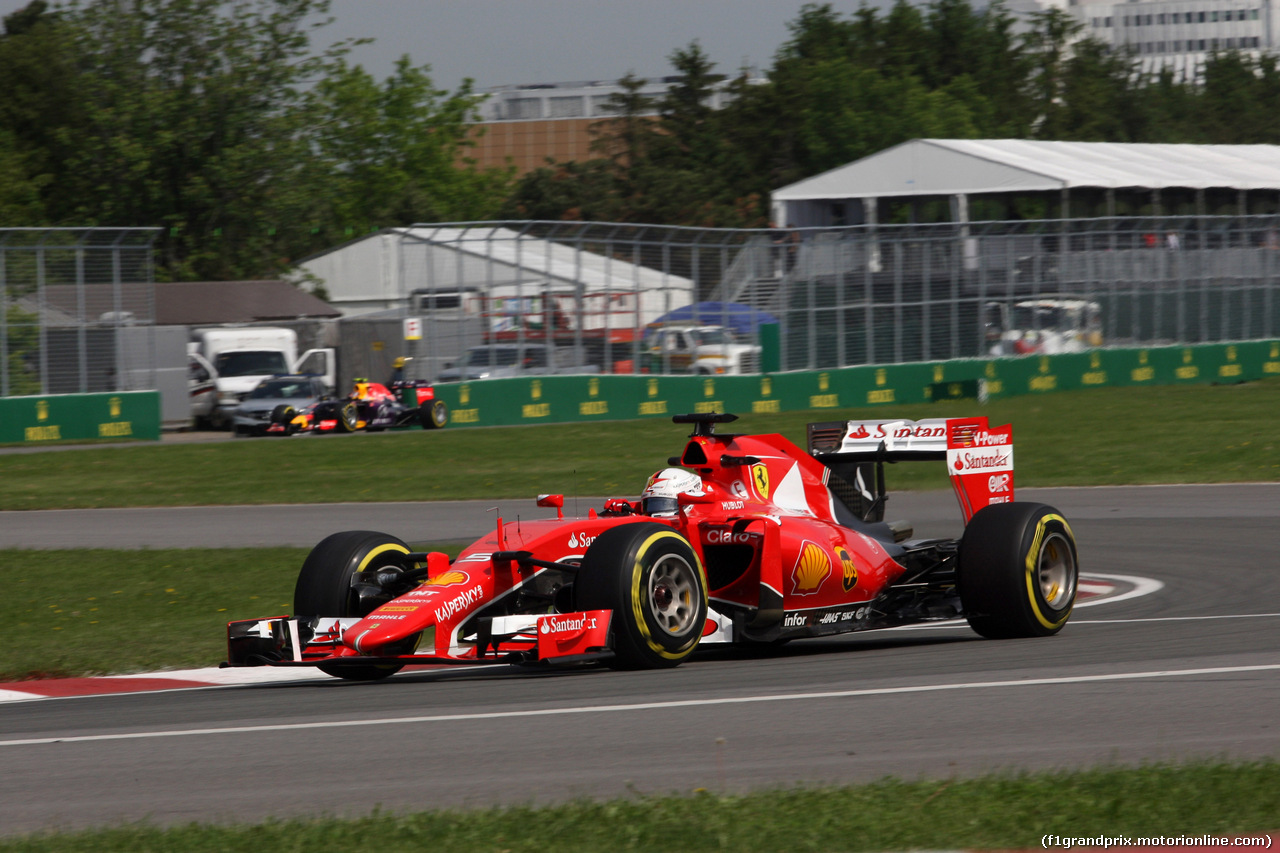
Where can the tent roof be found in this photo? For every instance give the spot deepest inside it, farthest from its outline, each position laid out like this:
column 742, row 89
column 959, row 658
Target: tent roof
column 932, row 167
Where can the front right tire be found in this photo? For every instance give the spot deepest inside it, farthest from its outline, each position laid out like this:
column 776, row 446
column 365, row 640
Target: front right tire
column 324, row 587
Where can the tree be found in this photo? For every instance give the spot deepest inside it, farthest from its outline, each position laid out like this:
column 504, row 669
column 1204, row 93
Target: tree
column 392, row 154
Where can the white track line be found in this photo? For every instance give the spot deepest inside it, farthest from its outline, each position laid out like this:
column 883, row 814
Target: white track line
column 652, row 706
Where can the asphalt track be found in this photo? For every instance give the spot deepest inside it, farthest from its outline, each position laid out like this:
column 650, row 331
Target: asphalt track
column 1191, row 669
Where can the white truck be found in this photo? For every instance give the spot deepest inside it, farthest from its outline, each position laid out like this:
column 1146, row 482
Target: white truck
column 702, row 350
column 225, row 364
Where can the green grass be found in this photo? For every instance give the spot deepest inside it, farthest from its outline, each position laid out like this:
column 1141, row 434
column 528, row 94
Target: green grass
column 1098, row 437
column 994, row 812
column 136, row 611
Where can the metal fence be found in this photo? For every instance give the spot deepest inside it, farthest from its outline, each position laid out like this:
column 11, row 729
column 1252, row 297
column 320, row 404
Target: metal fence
column 77, row 310
column 881, row 294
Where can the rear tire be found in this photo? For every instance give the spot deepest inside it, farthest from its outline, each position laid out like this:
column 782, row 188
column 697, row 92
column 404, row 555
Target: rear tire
column 324, row 587
column 1017, row 571
column 652, row 580
column 434, row 415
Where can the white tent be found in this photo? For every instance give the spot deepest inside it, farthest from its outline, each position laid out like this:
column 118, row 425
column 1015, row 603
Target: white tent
column 384, row 271
column 960, row 168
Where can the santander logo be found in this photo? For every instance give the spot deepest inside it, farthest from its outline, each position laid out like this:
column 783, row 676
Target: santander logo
column 583, row 541
column 996, row 461
column 553, row 625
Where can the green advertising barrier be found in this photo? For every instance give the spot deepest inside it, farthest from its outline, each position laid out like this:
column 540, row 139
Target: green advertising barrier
column 78, row 417
column 564, row 399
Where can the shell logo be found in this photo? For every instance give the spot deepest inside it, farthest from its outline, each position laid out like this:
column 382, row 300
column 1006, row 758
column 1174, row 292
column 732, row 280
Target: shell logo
column 850, row 579
column 448, row 579
column 813, row 567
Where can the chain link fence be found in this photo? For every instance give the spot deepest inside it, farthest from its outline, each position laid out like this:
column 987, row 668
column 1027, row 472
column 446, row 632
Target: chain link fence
column 834, row 297
column 77, row 310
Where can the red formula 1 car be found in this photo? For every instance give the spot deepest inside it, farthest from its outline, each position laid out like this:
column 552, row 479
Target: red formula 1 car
column 751, row 540
column 371, row 406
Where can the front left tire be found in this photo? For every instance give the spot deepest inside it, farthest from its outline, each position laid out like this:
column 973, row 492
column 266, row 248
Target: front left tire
column 651, row 578
column 324, row 587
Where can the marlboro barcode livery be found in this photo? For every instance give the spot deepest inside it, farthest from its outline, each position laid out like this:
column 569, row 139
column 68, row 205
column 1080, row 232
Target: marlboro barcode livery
column 744, row 539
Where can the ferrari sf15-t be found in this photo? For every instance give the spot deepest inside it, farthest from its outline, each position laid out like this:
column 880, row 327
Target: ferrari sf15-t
column 769, row 542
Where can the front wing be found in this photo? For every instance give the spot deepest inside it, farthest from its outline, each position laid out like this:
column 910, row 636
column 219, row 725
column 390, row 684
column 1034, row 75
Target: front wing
column 547, row 638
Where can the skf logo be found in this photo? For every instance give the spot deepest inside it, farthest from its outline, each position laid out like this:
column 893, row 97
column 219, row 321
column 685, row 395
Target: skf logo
column 42, row 410
column 114, row 405
column 813, row 567
column 850, row 579
column 760, row 476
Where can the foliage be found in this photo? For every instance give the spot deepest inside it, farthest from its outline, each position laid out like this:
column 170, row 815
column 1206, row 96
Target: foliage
column 1005, row 811
column 216, row 120
column 1054, row 431
column 220, row 121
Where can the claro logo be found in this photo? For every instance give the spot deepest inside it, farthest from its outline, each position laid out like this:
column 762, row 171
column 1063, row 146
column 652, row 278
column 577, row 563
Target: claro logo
column 726, row 536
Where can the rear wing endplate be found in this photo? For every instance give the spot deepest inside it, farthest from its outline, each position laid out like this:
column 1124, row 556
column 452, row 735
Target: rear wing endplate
column 979, row 457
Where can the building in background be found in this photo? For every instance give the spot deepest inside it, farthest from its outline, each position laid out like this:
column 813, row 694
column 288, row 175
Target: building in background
column 1175, row 34
column 529, row 125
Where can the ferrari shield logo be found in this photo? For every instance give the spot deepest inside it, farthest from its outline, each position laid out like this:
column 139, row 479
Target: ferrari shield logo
column 760, row 476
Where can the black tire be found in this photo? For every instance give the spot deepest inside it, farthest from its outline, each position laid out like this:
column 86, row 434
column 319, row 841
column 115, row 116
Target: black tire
column 652, row 580
column 324, row 586
column 1017, row 571
column 434, row 415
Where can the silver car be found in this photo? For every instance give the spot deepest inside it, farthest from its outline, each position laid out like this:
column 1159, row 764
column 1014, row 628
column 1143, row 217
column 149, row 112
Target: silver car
column 270, row 401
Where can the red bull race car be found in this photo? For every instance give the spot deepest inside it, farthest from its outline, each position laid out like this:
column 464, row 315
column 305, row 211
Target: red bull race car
column 371, row 406
column 745, row 539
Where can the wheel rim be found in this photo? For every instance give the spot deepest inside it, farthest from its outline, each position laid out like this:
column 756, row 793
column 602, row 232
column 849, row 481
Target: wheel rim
column 673, row 594
column 1056, row 571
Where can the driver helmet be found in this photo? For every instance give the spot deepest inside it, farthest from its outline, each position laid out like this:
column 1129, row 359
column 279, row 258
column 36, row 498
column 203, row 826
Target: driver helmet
column 660, row 497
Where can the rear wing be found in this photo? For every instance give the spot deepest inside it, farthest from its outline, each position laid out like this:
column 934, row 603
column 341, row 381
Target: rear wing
column 979, row 457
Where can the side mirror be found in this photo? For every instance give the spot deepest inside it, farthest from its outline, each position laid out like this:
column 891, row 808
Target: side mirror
column 556, row 501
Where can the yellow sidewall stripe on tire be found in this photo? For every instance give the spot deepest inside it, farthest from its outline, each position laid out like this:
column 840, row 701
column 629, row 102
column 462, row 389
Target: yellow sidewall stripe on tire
column 1033, row 559
column 381, row 549
column 639, row 596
